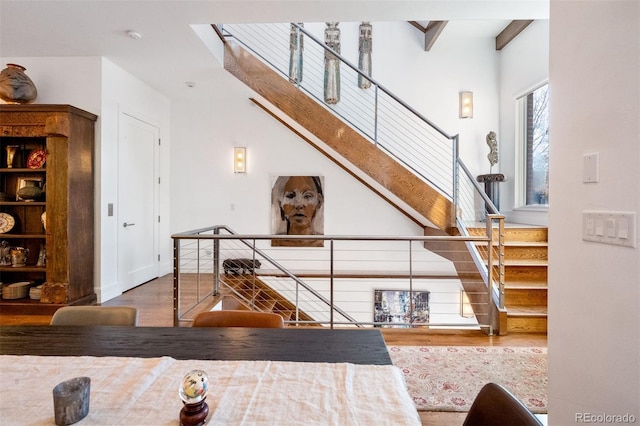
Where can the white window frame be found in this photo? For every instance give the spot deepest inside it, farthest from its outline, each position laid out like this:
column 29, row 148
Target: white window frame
column 520, row 178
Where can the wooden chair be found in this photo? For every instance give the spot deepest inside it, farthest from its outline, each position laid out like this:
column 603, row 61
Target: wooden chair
column 95, row 315
column 495, row 405
column 232, row 318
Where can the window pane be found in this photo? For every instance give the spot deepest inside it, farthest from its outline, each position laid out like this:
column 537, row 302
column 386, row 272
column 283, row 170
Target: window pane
column 537, row 139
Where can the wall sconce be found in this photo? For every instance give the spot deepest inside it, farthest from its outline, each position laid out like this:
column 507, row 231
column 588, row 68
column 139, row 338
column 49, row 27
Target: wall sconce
column 239, row 159
column 466, row 311
column 466, row 104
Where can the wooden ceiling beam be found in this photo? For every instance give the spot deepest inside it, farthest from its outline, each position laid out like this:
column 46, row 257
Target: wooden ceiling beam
column 431, row 32
column 418, row 26
column 510, row 32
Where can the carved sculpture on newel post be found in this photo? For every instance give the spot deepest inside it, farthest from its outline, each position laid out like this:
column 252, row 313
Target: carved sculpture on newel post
column 332, row 64
column 492, row 180
column 492, row 141
column 296, row 48
column 364, row 56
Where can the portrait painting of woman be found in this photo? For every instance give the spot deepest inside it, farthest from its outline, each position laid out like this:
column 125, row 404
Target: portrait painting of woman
column 297, row 209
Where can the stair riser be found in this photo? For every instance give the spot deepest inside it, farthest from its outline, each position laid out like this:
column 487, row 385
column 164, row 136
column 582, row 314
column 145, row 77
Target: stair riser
column 526, row 324
column 525, row 297
column 525, row 273
column 535, row 253
column 526, row 234
column 525, row 253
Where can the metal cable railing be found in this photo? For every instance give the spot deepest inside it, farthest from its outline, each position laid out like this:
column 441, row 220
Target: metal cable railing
column 376, row 113
column 338, row 285
column 386, row 121
column 239, row 277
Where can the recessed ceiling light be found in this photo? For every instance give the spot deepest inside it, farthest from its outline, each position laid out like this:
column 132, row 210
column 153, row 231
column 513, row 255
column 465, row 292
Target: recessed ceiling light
column 134, row 35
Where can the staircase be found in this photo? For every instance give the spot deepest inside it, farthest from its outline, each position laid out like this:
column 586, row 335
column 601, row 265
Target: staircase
column 526, row 258
column 249, row 292
column 525, row 288
column 526, row 280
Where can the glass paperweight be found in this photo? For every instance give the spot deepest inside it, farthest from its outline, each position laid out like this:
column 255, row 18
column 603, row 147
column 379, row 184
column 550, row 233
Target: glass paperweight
column 194, row 387
column 193, row 392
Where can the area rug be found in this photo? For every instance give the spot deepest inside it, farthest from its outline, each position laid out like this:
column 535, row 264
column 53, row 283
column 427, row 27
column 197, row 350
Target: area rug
column 448, row 378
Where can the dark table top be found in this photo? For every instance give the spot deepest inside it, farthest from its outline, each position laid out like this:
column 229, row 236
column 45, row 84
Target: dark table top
column 355, row 346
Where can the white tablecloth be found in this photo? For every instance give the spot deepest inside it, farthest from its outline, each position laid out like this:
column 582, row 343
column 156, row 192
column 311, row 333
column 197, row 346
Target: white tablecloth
column 144, row 391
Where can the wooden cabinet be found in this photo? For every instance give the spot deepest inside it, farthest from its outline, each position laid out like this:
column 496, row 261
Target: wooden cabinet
column 66, row 135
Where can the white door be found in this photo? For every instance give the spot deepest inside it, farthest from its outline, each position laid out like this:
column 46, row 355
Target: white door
column 137, row 201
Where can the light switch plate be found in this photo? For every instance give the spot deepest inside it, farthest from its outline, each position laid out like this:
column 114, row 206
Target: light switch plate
column 616, row 228
column 590, row 172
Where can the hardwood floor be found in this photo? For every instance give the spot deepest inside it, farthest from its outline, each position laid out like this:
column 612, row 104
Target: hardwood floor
column 154, row 301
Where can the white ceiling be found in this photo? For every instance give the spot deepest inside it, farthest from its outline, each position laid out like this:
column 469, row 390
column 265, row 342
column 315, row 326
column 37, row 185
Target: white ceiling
column 170, row 53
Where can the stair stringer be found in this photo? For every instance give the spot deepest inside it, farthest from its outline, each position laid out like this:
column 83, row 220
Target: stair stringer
column 471, row 279
column 351, row 146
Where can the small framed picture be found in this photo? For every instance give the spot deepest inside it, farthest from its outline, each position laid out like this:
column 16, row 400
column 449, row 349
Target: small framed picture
column 401, row 308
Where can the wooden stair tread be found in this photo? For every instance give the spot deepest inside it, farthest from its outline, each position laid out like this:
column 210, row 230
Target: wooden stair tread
column 526, row 262
column 526, row 285
column 526, row 243
column 527, row 311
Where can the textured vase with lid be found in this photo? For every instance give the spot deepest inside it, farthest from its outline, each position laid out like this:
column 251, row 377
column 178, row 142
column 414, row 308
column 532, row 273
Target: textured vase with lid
column 31, row 191
column 15, row 86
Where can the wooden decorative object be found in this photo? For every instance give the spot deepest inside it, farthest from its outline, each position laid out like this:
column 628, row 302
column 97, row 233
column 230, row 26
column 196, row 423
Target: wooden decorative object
column 194, row 414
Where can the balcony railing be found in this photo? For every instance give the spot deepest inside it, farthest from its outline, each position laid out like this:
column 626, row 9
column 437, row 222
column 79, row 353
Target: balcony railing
column 352, row 281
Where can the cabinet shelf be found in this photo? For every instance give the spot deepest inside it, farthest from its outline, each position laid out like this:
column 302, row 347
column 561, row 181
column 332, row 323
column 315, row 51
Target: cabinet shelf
column 21, row 236
column 21, row 170
column 67, row 134
column 28, row 268
column 23, row 203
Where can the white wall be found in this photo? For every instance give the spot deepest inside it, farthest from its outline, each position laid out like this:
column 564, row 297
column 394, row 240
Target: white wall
column 71, row 80
column 594, row 289
column 524, row 65
column 205, row 191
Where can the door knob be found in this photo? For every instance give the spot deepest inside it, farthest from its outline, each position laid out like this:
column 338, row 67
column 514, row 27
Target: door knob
column 127, row 224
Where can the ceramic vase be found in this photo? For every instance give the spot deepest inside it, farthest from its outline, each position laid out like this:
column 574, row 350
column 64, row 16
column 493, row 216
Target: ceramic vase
column 11, row 152
column 30, row 191
column 15, row 86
